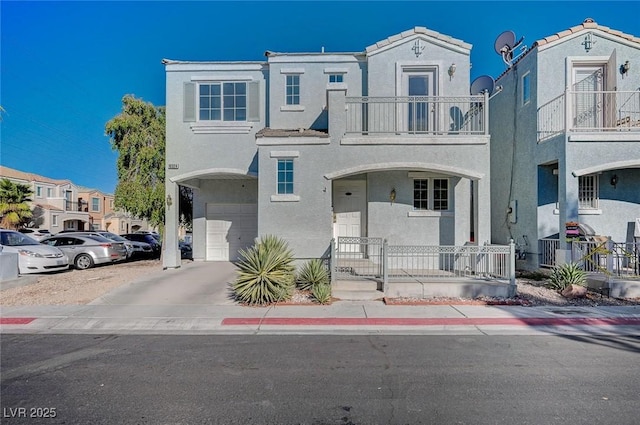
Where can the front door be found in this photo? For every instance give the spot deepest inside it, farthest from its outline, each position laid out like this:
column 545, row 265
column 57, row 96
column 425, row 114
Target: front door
column 349, row 208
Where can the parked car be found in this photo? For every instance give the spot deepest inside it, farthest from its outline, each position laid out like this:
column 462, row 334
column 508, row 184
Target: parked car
column 156, row 235
column 32, row 256
column 37, row 234
column 148, row 238
column 135, row 249
column 84, row 252
column 186, row 251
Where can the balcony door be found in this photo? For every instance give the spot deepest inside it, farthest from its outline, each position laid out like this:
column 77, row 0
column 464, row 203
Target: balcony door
column 588, row 84
column 419, row 110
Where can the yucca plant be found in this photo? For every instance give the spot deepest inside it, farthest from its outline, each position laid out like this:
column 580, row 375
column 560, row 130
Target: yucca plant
column 313, row 272
column 322, row 293
column 266, row 272
column 565, row 275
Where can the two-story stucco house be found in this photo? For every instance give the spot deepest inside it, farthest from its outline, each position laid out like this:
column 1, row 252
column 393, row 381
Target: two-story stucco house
column 55, row 203
column 104, row 216
column 565, row 136
column 386, row 142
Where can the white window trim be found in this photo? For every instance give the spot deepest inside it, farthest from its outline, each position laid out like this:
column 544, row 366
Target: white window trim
column 292, row 108
column 38, row 191
column 336, row 70
column 292, row 71
column 54, row 220
column 221, row 78
column 285, row 154
column 92, row 209
column 289, row 197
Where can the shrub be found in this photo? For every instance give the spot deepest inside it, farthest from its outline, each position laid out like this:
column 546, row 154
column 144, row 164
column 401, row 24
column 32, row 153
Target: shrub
column 322, row 293
column 565, row 275
column 312, row 273
column 266, row 272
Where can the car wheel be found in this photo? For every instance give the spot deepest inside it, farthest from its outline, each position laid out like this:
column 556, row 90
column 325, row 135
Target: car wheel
column 83, row 261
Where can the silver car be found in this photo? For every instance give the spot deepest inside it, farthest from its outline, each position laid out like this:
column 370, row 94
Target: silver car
column 32, row 257
column 134, row 249
column 84, row 252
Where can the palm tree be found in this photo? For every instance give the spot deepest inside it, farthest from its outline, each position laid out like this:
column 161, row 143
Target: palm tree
column 14, row 210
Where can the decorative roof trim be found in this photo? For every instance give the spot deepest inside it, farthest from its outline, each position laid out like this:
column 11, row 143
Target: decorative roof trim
column 588, row 25
column 414, row 32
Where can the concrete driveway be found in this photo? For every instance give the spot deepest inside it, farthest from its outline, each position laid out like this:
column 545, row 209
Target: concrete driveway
column 196, row 283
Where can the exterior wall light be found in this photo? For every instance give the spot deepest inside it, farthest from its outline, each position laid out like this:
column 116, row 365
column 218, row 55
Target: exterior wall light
column 452, row 70
column 624, row 68
column 169, row 201
column 614, row 180
column 392, row 195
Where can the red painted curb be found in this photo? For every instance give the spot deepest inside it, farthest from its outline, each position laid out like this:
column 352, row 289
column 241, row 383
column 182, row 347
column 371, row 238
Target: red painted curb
column 16, row 320
column 455, row 321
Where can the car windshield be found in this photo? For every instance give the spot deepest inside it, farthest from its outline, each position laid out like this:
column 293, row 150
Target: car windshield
column 16, row 239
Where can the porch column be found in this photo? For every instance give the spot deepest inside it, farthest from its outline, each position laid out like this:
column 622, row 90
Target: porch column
column 171, row 253
column 568, row 203
column 463, row 219
column 483, row 211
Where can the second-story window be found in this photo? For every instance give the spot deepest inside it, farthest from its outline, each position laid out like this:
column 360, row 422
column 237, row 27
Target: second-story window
column 39, row 191
column 526, row 89
column 285, row 176
column 95, row 204
column 49, row 192
column 293, row 90
column 223, row 101
column 336, row 78
column 440, row 194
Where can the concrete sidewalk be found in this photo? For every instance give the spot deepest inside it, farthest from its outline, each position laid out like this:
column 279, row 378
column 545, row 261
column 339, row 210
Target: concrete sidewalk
column 195, row 300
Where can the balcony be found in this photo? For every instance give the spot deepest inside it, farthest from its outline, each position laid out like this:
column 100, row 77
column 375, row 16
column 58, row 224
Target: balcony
column 590, row 112
column 76, row 206
column 417, row 116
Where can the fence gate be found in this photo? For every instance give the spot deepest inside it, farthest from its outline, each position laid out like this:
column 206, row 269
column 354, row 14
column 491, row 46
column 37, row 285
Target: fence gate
column 358, row 258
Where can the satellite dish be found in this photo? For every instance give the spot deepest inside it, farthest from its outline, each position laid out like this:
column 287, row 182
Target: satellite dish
column 505, row 44
column 482, row 84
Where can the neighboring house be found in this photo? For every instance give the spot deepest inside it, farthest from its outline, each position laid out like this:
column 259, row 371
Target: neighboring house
column 55, row 203
column 104, row 216
column 565, row 141
column 61, row 205
column 386, row 142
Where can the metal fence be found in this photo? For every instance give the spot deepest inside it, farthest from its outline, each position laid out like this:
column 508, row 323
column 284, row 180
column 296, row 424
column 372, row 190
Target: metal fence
column 590, row 111
column 422, row 115
column 547, row 249
column 357, row 258
column 608, row 257
column 486, row 261
column 620, row 259
column 373, row 258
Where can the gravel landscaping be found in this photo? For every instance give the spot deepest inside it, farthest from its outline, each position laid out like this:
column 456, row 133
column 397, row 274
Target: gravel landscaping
column 83, row 286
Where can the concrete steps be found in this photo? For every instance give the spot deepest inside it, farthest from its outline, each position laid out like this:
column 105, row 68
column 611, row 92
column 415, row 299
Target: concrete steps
column 361, row 290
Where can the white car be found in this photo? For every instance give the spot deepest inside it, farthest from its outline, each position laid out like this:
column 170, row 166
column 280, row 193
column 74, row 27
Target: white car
column 33, row 257
column 37, row 234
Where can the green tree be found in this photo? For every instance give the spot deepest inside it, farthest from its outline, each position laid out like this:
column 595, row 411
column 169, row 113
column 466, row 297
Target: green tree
column 138, row 134
column 14, row 209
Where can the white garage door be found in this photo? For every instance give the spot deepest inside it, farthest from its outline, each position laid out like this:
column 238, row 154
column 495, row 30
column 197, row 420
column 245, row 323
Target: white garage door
column 230, row 227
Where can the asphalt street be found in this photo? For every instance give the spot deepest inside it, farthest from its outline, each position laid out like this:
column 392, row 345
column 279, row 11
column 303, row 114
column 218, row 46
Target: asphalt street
column 320, row 379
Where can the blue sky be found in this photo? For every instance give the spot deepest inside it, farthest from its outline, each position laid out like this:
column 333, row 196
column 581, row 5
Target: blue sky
column 65, row 66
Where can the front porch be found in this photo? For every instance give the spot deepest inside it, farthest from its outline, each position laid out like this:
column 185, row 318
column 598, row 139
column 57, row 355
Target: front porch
column 370, row 267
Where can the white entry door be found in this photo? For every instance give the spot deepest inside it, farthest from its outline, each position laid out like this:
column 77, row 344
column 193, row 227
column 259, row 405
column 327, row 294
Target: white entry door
column 349, row 208
column 230, row 227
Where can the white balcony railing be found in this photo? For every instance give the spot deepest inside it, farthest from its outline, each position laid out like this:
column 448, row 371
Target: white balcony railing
column 589, row 111
column 417, row 115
